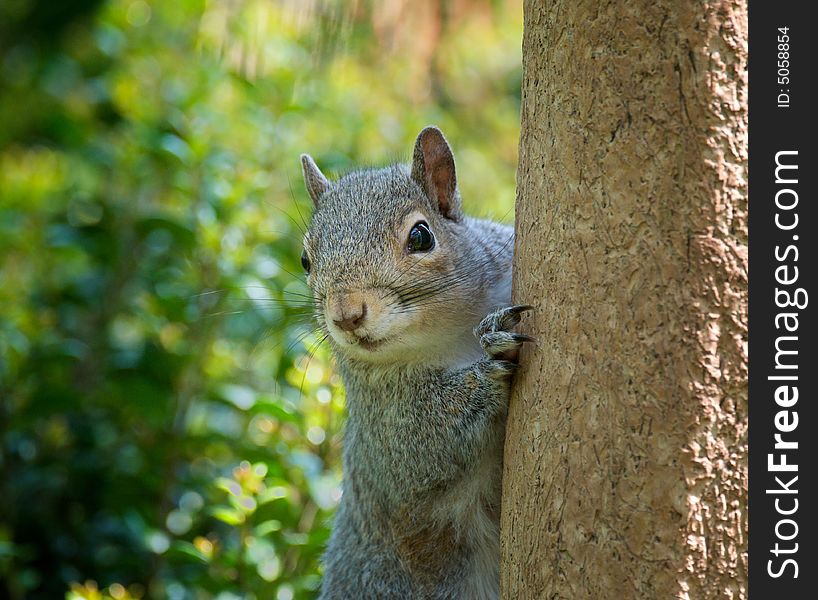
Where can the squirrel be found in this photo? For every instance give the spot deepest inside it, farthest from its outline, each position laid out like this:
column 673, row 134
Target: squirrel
column 414, row 298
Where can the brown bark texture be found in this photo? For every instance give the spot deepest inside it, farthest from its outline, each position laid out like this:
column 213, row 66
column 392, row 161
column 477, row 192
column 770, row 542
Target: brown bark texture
column 626, row 447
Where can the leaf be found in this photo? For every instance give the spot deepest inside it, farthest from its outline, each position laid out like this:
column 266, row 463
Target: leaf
column 267, row 527
column 187, row 550
column 227, row 515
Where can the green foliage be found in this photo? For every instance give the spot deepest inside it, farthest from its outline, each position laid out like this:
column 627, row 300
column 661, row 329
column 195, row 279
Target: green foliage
column 169, row 424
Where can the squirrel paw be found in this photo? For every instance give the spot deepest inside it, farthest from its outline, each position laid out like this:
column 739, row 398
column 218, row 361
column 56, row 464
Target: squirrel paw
column 501, row 345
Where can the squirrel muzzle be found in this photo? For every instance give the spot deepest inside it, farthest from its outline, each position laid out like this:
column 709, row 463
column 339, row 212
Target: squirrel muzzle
column 348, row 311
column 362, row 321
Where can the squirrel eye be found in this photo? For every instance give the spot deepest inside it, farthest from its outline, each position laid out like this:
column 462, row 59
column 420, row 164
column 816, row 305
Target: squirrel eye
column 305, row 262
column 421, row 238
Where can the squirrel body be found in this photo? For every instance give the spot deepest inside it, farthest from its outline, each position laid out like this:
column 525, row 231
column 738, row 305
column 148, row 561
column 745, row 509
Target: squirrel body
column 414, row 298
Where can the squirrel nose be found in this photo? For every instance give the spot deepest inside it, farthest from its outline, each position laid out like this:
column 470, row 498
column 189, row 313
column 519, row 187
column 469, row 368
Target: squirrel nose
column 352, row 318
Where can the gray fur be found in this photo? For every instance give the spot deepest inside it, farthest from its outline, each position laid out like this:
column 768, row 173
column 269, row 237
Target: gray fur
column 419, row 515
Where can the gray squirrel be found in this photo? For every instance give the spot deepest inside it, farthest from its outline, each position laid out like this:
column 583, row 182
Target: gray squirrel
column 414, row 298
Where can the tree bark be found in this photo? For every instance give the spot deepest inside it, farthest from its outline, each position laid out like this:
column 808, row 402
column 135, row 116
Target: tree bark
column 626, row 448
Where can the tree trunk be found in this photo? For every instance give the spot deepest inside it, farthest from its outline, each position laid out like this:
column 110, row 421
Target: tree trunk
column 626, row 449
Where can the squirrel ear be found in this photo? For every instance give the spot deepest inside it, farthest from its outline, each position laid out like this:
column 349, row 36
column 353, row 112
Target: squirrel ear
column 314, row 179
column 433, row 170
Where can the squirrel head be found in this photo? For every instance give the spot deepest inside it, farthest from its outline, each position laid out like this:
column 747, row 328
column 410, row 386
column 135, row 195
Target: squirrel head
column 386, row 253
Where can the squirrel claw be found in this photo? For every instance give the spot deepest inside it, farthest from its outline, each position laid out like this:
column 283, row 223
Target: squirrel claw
column 519, row 308
column 503, row 345
column 497, row 341
column 501, row 320
column 521, row 337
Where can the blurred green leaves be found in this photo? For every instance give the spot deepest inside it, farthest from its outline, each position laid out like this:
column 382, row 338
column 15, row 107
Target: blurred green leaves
column 169, row 425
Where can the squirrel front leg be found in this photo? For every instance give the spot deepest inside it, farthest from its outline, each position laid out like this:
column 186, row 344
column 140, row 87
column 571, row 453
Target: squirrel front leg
column 480, row 391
